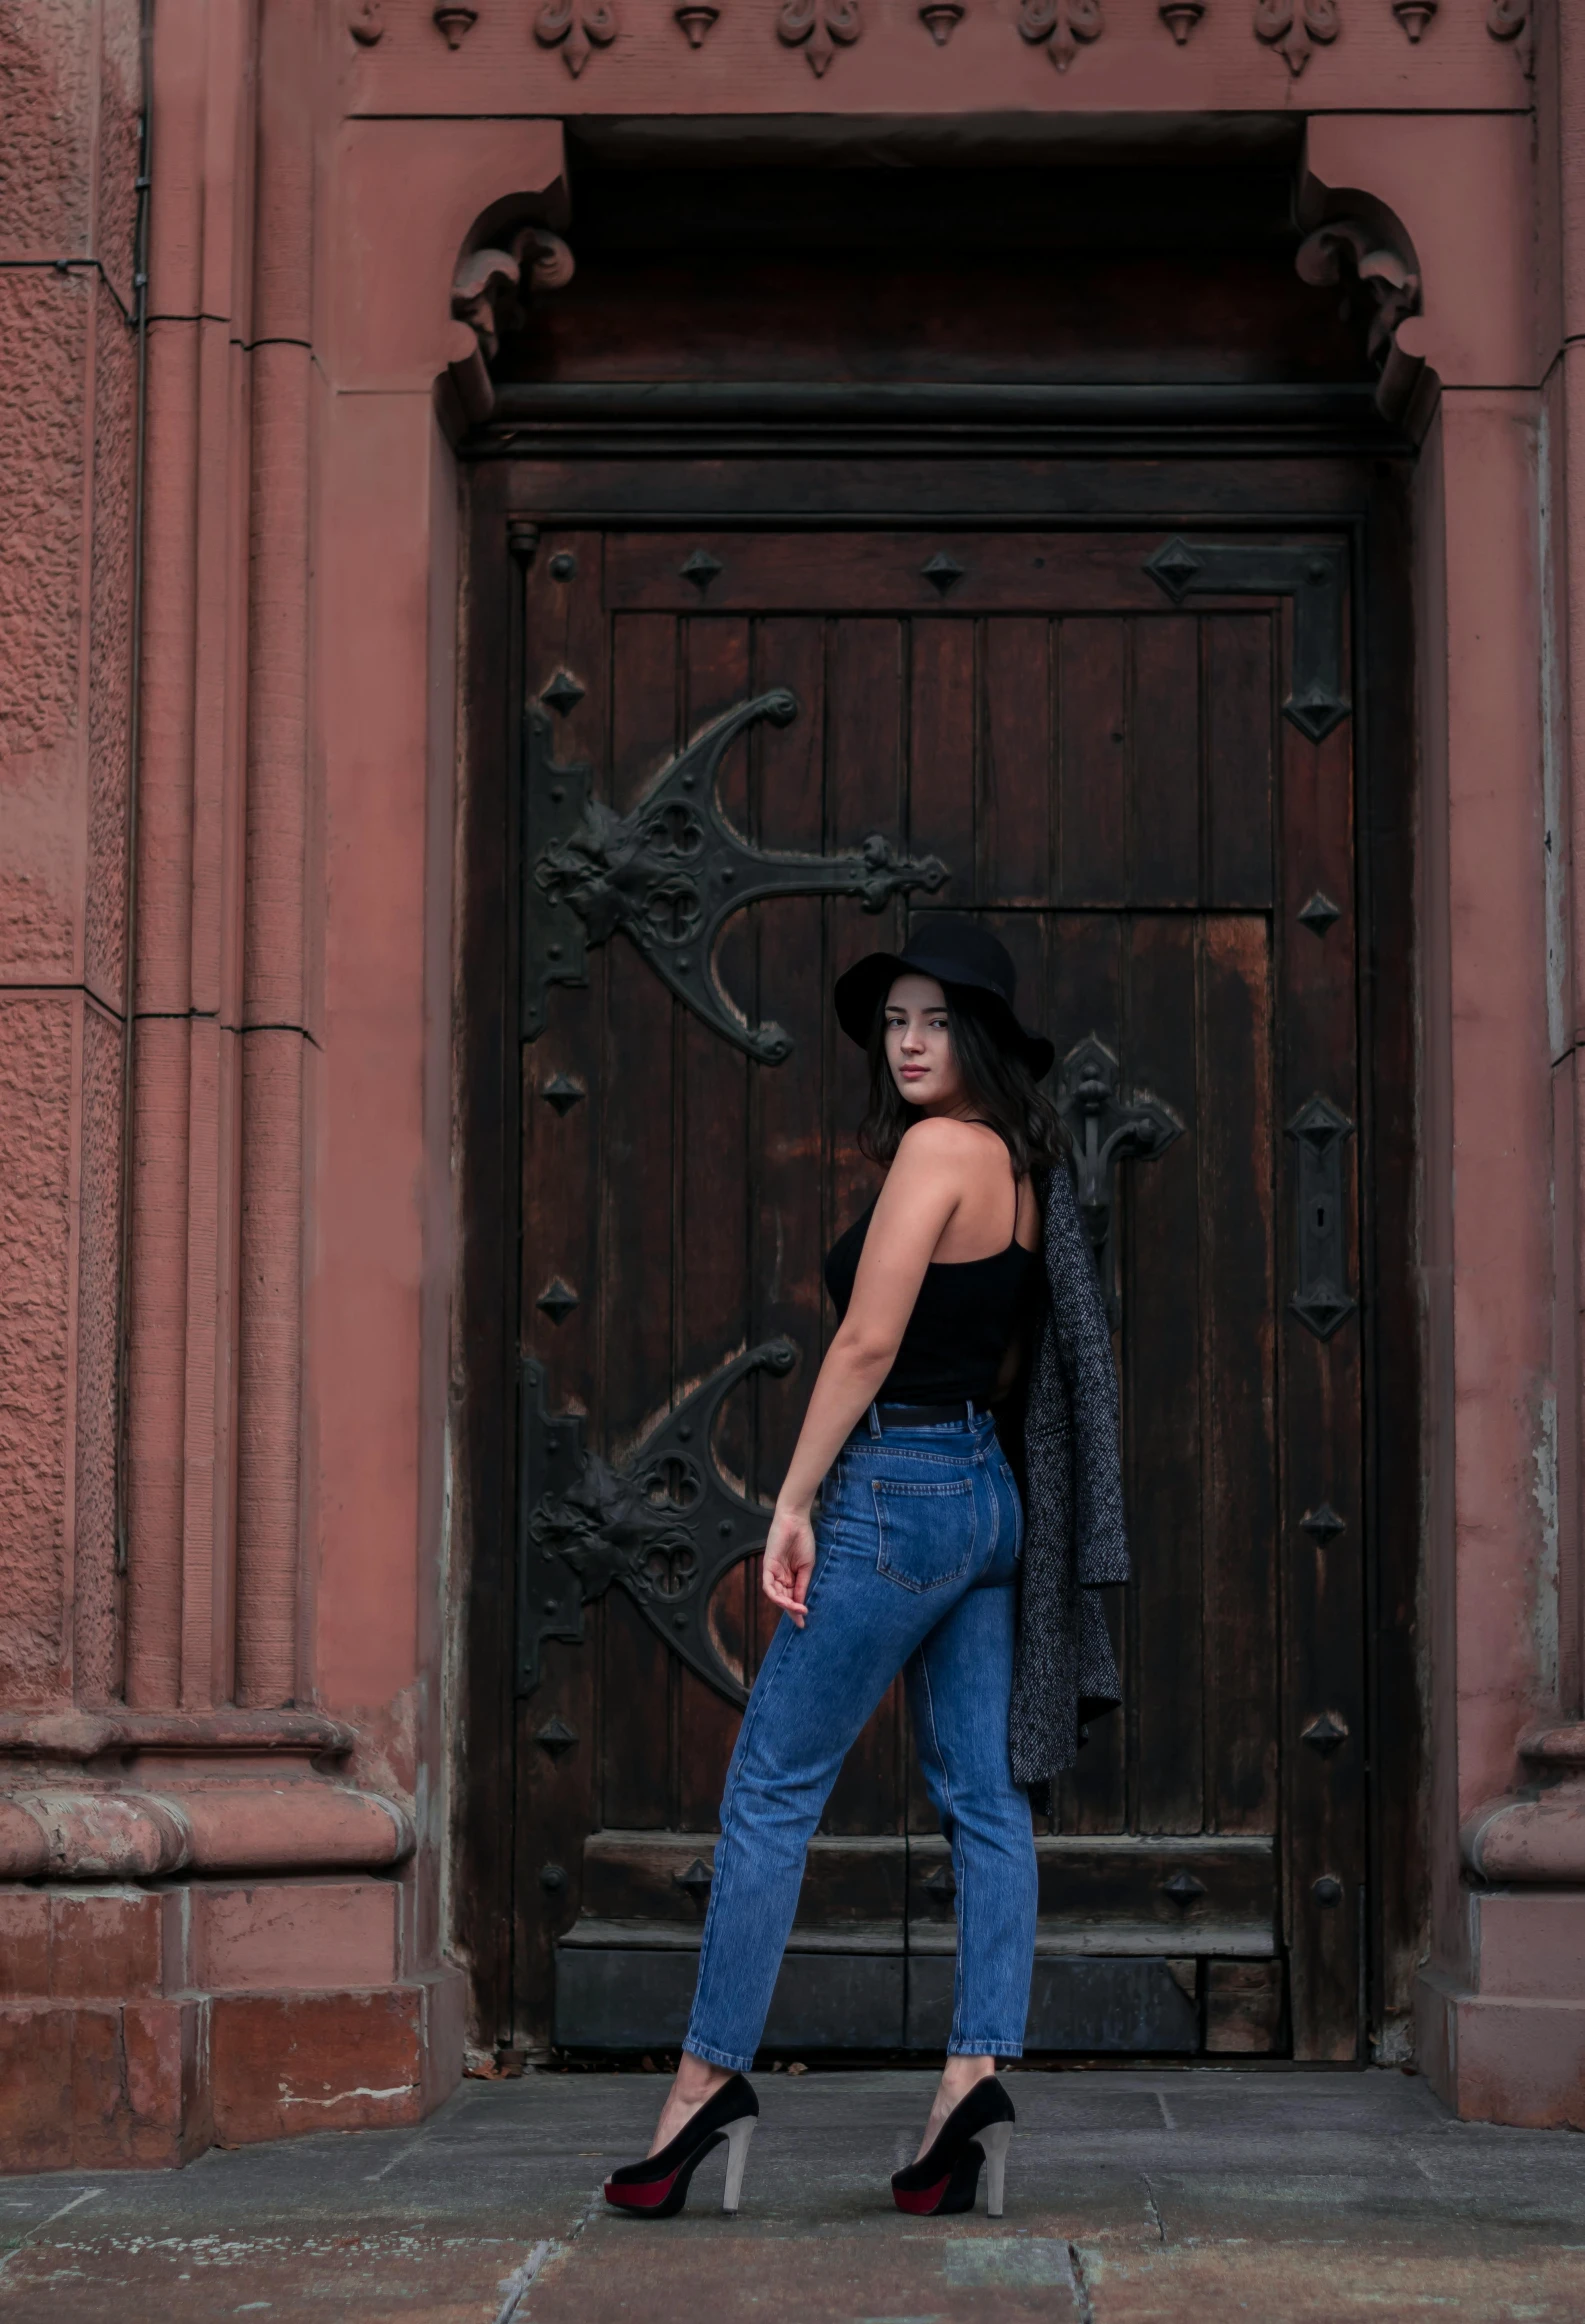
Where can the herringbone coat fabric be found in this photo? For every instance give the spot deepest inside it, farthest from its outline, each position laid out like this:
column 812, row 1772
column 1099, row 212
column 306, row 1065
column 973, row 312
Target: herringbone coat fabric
column 1075, row 1538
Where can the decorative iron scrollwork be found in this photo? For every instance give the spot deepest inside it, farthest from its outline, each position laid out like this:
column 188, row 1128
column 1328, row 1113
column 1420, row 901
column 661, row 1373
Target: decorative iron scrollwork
column 666, row 1525
column 1311, row 573
column 670, row 874
column 1322, row 1300
column 1105, row 1127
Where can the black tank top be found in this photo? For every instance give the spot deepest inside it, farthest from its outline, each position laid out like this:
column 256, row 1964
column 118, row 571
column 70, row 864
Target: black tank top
column 962, row 1324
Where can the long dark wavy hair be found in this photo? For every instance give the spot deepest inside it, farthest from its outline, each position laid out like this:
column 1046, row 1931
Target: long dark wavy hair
column 999, row 1085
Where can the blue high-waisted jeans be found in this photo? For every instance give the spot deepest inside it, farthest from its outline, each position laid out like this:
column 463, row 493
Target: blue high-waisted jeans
column 917, row 1543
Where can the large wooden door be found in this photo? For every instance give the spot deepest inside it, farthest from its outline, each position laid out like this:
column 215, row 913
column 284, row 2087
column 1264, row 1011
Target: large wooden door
column 1133, row 756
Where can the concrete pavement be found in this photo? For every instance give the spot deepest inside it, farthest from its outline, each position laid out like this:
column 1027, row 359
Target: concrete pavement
column 1197, row 2194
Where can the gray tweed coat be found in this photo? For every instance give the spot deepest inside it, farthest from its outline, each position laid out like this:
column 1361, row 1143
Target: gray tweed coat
column 1075, row 1540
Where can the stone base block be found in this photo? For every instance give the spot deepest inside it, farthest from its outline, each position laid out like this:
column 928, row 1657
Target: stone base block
column 102, row 2085
column 1495, row 2057
column 282, row 2063
column 139, row 2025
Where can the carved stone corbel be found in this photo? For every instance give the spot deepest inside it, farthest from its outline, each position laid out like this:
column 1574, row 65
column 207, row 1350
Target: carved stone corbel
column 486, row 294
column 819, row 27
column 577, row 28
column 1296, row 28
column 1349, row 246
column 1063, row 23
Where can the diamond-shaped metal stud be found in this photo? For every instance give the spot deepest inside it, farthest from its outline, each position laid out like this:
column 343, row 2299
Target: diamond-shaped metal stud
column 563, row 1093
column 1324, row 1523
column 696, row 1879
column 563, row 693
column 942, row 571
column 941, row 1885
column 1175, row 567
column 1319, row 913
column 1316, row 711
column 1318, row 1122
column 557, row 1301
column 1323, row 1308
column 1324, row 1734
column 701, row 569
column 1183, row 1888
column 556, row 1739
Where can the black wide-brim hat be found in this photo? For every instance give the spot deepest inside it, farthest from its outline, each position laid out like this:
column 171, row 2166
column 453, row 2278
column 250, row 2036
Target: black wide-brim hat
column 962, row 957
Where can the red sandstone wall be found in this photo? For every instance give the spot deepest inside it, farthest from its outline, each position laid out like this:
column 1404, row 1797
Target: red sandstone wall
column 68, row 160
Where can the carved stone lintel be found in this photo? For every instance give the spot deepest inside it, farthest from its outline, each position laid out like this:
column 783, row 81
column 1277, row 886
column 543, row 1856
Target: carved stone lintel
column 696, row 18
column 1180, row 17
column 819, row 28
column 1391, row 281
column 1295, row 28
column 1062, row 23
column 577, row 28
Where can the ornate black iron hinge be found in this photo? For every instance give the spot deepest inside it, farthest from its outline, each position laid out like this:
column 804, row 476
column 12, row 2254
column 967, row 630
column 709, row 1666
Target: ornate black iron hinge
column 1313, row 574
column 667, row 1524
column 1106, row 1127
column 1323, row 1300
column 670, row 873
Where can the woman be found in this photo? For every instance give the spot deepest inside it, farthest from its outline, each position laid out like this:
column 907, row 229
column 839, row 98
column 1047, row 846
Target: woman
column 918, row 1557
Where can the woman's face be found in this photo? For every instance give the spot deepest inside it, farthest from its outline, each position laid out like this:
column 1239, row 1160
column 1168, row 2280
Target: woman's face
column 919, row 1046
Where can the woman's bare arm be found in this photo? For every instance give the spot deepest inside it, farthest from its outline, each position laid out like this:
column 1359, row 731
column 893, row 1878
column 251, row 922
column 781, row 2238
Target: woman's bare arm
column 923, row 1189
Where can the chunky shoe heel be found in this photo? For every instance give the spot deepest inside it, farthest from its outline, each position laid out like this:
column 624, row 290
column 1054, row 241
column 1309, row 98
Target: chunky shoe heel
column 948, row 2173
column 737, row 2139
column 993, row 2138
column 657, row 2188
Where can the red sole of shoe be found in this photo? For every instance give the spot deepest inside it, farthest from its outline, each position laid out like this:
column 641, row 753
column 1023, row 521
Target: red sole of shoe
column 644, row 2198
column 921, row 2201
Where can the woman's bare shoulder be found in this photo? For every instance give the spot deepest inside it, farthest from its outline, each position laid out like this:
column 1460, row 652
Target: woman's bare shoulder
column 942, row 1138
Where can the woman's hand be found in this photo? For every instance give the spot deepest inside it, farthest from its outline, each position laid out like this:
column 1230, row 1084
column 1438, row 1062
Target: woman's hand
column 789, row 1561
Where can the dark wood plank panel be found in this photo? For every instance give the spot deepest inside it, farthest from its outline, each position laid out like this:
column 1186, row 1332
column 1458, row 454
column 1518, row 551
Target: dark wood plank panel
column 561, row 1156
column 942, row 731
column 1164, row 730
column 867, row 570
column 792, row 990
column 1236, row 1166
column 713, row 1173
column 638, row 1237
column 1159, row 1205
column 1324, row 1793
column 1016, row 791
column 1092, row 693
column 1239, row 723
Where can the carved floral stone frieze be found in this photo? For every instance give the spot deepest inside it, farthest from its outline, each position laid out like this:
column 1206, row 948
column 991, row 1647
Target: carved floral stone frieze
column 1506, row 19
column 819, row 28
column 1296, row 28
column 577, row 28
column 1062, row 23
column 365, row 22
column 1414, row 16
column 941, row 19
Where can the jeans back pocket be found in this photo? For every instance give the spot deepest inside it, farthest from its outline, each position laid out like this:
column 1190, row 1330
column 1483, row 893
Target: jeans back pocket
column 928, row 1533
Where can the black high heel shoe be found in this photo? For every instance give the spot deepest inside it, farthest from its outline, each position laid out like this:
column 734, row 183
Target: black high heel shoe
column 658, row 2186
column 947, row 2174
